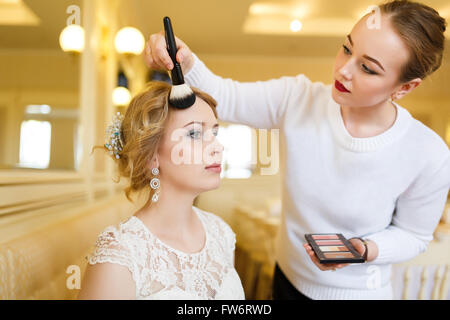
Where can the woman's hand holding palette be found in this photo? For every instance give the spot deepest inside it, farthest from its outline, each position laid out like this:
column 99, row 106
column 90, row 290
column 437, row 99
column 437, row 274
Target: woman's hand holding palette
column 333, row 248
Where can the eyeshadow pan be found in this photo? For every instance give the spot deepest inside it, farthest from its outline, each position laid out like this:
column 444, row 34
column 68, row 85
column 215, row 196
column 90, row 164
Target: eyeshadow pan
column 335, row 255
column 325, row 236
column 333, row 248
column 329, row 242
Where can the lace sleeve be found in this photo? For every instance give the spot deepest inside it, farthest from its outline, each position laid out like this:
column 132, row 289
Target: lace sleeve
column 110, row 248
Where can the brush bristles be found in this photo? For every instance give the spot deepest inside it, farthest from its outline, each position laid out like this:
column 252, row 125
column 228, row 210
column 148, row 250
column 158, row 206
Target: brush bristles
column 181, row 96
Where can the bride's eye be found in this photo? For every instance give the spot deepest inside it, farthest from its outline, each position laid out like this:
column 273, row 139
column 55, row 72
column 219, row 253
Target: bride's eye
column 194, row 134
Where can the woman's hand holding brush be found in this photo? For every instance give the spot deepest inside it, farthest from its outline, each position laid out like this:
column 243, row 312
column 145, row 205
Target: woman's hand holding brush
column 157, row 56
column 165, row 51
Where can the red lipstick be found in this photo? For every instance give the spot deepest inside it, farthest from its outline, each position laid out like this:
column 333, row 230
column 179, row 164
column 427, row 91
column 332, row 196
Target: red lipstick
column 340, row 87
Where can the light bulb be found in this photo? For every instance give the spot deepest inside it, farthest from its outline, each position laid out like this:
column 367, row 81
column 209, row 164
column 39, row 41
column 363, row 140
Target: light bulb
column 121, row 96
column 71, row 38
column 129, row 40
column 295, row 26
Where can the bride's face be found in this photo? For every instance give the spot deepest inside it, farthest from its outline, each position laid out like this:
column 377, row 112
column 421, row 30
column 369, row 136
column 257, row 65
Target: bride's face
column 188, row 147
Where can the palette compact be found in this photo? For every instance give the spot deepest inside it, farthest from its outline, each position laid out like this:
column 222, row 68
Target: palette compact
column 333, row 248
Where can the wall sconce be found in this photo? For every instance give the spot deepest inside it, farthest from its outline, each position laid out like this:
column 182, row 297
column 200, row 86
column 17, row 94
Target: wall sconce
column 129, row 40
column 71, row 39
column 296, row 25
column 121, row 94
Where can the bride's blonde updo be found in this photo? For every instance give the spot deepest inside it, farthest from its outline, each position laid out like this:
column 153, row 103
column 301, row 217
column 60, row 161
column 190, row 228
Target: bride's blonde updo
column 141, row 132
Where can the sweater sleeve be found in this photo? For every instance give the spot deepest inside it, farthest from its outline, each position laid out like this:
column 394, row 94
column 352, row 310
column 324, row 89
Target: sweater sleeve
column 416, row 217
column 259, row 104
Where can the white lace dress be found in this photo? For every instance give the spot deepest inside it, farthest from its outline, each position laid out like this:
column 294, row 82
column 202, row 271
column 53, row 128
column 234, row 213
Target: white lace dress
column 162, row 272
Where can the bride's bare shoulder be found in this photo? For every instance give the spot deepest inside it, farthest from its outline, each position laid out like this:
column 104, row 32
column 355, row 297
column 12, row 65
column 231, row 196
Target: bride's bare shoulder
column 107, row 281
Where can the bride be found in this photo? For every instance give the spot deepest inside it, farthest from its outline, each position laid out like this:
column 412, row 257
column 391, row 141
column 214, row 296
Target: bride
column 169, row 249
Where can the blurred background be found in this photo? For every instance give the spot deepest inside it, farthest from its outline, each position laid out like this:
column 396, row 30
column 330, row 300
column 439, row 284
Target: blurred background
column 67, row 66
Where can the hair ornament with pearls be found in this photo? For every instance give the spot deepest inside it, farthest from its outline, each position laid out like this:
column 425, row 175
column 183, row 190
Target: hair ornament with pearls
column 114, row 138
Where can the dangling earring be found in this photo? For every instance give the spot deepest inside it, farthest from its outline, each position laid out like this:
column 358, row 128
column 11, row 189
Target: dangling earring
column 155, row 184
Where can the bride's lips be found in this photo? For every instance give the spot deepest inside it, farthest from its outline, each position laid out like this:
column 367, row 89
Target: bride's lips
column 340, row 87
column 216, row 167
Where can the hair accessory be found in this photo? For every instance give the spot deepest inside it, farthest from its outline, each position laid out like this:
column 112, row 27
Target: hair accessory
column 114, row 134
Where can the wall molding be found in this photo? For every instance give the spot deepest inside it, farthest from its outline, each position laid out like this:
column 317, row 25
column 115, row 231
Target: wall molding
column 23, row 191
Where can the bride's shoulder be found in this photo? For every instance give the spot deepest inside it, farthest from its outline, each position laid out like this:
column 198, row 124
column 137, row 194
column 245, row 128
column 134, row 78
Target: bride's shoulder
column 120, row 233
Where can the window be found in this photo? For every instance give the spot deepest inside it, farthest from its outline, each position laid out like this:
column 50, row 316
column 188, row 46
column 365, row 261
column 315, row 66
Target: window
column 38, row 109
column 35, row 140
column 237, row 156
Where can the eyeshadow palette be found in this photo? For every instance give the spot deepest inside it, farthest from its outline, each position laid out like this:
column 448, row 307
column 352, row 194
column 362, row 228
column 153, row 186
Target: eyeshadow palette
column 333, row 248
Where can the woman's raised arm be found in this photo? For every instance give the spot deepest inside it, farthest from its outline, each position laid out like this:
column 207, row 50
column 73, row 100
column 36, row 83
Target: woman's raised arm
column 260, row 104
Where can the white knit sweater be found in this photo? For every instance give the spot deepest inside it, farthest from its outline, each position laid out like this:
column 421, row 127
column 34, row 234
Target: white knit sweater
column 390, row 188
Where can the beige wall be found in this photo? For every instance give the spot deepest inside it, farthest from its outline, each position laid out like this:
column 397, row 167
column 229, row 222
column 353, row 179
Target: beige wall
column 38, row 69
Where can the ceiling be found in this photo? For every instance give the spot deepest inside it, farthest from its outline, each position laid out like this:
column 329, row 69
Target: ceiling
column 213, row 26
column 210, row 26
column 16, row 12
column 45, row 35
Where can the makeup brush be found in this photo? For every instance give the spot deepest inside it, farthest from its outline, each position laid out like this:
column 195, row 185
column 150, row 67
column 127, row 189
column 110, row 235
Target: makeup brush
column 181, row 95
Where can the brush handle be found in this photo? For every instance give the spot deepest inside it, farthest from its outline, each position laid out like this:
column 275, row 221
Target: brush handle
column 176, row 72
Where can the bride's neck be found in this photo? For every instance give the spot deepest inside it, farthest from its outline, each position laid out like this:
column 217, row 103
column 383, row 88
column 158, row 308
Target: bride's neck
column 173, row 210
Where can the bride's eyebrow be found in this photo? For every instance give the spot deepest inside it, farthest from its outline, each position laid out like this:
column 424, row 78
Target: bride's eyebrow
column 201, row 123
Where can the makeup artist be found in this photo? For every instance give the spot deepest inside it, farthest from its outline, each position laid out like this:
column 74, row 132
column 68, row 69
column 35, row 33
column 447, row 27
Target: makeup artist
column 356, row 162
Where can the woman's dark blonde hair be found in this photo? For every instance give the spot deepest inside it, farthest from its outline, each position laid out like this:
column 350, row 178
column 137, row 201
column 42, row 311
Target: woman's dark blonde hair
column 142, row 129
column 422, row 29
